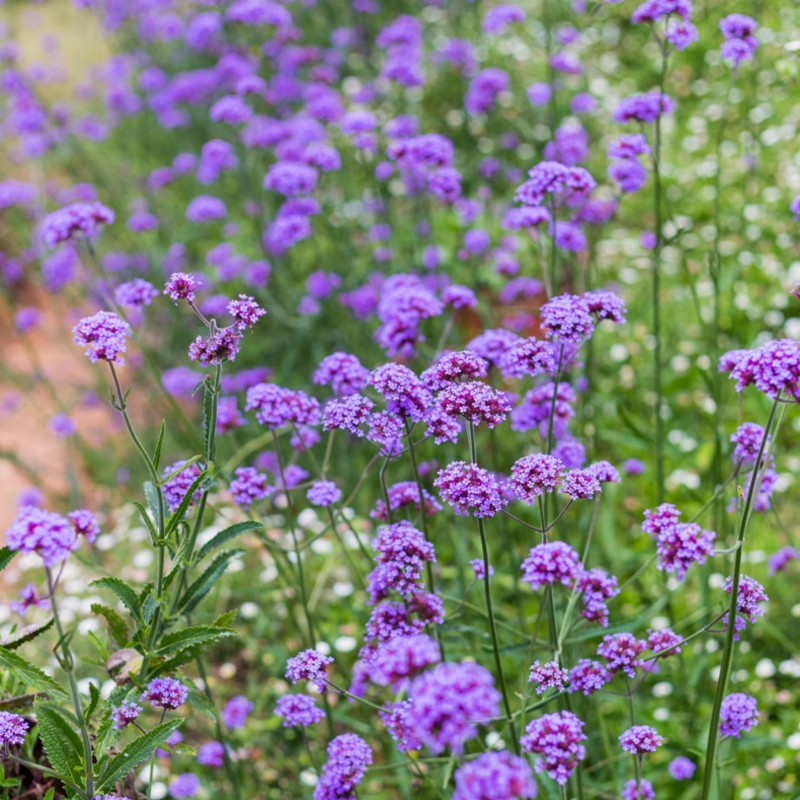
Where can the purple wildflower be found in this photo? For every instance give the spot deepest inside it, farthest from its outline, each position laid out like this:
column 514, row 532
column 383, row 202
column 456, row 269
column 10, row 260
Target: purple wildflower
column 104, row 335
column 597, row 586
column 447, row 704
column 740, row 41
column 311, row 666
column 682, row 768
column 324, row 494
column 782, row 559
column 644, row 108
column 13, row 729
column 177, row 487
column 641, row 739
column 679, row 545
column 557, row 739
column 124, row 715
column 774, row 369
column 79, row 218
column 185, row 785
column 276, row 407
column 476, row 402
column 551, row 563
column 136, row 293
column 402, row 658
column 348, row 414
column 165, row 693
column 348, row 758
column 28, row 598
column 750, row 594
column 549, row 178
column 211, row 754
column 181, row 286
column 404, row 392
column 245, row 311
column 739, row 714
column 548, row 676
column 621, row 650
column 299, row 711
column 236, row 712
column 48, row 535
column 470, row 490
column 405, row 495
column 580, row 484
column 220, row 347
column 588, row 677
column 568, row 318
column 494, row 776
column 533, row 475
column 249, row 486
column 630, row 791
column 343, row 373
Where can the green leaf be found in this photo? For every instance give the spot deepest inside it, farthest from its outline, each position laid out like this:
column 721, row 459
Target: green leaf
column 188, row 498
column 159, row 444
column 27, row 674
column 226, row 535
column 61, row 743
column 151, row 494
column 136, row 753
column 203, row 585
column 149, row 603
column 147, row 521
column 124, row 592
column 201, row 703
column 94, row 699
column 6, row 557
column 116, row 624
column 188, row 637
column 28, row 636
column 227, row 619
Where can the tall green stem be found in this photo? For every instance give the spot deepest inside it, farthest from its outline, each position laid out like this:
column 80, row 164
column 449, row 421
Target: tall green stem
column 727, row 653
column 68, row 664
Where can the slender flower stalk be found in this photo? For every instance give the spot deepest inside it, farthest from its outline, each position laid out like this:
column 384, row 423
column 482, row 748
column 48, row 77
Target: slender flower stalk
column 727, row 652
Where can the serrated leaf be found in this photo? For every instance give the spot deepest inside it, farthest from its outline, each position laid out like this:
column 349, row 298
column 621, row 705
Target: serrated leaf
column 205, row 583
column 61, row 743
column 152, row 496
column 174, row 642
column 136, row 753
column 29, row 635
column 124, row 592
column 227, row 619
column 116, row 624
column 159, row 444
column 6, row 557
column 149, row 603
column 27, row 674
column 226, row 535
column 94, row 699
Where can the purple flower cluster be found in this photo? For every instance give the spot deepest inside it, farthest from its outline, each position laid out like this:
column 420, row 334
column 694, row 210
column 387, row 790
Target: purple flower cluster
column 177, row 487
column 494, row 776
column 740, row 42
column 13, row 729
column 476, row 402
column 738, row 714
column 773, row 369
column 277, row 407
column 401, row 554
column 405, row 495
column 679, row 545
column 80, row 218
column 249, row 486
column 166, row 693
column 588, row 677
column 548, row 676
column 641, row 739
column 621, row 651
column 343, row 373
column 750, row 594
column 48, row 535
column 104, row 335
column 560, row 183
column 557, row 739
column 349, row 756
column 533, row 475
column 644, row 108
column 447, row 703
column 551, row 563
column 470, row 490
column 395, row 662
column 124, row 715
column 311, row 666
column 299, row 711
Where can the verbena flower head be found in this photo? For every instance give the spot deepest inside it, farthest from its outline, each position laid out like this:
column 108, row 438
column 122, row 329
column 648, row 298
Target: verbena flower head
column 494, row 776
column 349, row 756
column 48, row 535
column 470, row 490
column 557, row 739
column 124, row 715
column 13, row 729
column 211, row 754
column 181, row 286
column 664, row 642
column 773, row 369
column 556, row 181
column 588, row 677
column 580, row 484
column 551, row 563
column 402, row 658
column 401, row 554
column 176, row 488
column 220, row 347
column 404, row 392
column 85, row 524
column 245, row 312
column 620, row 650
column 405, row 495
column 499, row 18
column 682, row 768
column 748, row 438
column 740, row 42
column 534, row 475
column 454, row 367
column 299, row 711
column 492, row 344
column 277, row 407
column 249, row 486
column 750, row 594
column 343, row 372
column 185, row 785
column 630, row 791
column 80, row 218
column 449, row 702
column 311, row 666
column 641, row 739
column 568, row 318
column 781, row 560
column 165, row 693
column 738, row 714
column 534, row 411
column 548, row 676
column 596, row 587
column 528, row 357
column 396, row 720
column 349, row 414
column 644, row 108
column 679, row 545
column 476, row 402
column 324, row 494
column 104, row 335
column 236, row 712
column 135, row 294
column 290, row 179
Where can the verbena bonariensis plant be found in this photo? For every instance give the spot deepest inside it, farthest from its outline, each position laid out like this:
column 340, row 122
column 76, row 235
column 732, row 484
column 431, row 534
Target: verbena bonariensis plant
column 433, row 541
